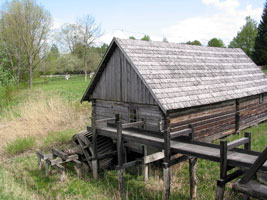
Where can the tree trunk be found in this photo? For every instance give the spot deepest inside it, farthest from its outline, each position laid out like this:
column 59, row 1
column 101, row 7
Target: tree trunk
column 85, row 75
column 193, row 178
column 30, row 72
column 18, row 71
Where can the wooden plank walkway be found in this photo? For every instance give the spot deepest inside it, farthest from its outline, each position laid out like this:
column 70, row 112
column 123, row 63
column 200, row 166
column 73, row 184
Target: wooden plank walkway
column 235, row 157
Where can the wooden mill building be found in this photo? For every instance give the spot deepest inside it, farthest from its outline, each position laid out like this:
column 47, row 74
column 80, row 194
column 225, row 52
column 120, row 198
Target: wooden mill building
column 217, row 90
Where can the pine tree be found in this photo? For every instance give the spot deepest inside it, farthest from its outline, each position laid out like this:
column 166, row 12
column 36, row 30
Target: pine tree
column 260, row 52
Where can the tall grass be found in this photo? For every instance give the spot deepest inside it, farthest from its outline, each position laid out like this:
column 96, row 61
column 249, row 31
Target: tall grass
column 40, row 115
column 20, row 145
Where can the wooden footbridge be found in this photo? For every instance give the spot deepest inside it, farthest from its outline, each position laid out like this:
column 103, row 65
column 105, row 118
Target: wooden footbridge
column 174, row 147
column 181, row 143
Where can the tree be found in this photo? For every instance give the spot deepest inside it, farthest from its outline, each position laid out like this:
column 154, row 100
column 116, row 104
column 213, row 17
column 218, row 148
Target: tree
column 68, row 63
column 54, row 51
column 102, row 50
column 245, row 39
column 260, row 52
column 68, row 36
column 80, row 37
column 49, row 66
column 195, row 42
column 165, row 39
column 31, row 23
column 146, row 38
column 215, row 42
column 132, row 38
column 10, row 40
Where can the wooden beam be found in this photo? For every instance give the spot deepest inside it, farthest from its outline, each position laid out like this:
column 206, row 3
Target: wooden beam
column 105, row 120
column 237, row 143
column 129, row 164
column 120, row 159
column 94, row 141
column 184, row 132
column 177, row 160
column 254, row 168
column 133, row 124
column 248, row 145
column 223, row 170
column 144, row 165
column 166, row 168
column 153, row 157
column 59, row 153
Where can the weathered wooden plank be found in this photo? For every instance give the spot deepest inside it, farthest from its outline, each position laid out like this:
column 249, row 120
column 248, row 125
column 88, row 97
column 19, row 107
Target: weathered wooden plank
column 237, row 143
column 184, row 132
column 254, row 168
column 252, row 188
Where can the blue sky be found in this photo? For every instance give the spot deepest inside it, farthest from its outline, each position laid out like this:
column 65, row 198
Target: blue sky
column 178, row 20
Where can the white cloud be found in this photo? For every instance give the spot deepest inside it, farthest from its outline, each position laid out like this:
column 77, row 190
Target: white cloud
column 106, row 38
column 225, row 24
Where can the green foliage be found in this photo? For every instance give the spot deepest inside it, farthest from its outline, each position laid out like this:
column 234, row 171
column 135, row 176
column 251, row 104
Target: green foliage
column 146, row 38
column 195, row 42
column 245, row 38
column 132, row 38
column 215, row 42
column 20, row 145
column 102, row 50
column 260, row 53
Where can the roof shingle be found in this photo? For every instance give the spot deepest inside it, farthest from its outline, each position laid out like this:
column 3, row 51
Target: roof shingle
column 183, row 76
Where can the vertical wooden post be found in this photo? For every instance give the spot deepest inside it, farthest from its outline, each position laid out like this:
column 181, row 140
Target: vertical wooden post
column 223, row 170
column 94, row 138
column 145, row 166
column 248, row 145
column 166, row 169
column 193, row 177
column 192, row 134
column 237, row 116
column 120, row 159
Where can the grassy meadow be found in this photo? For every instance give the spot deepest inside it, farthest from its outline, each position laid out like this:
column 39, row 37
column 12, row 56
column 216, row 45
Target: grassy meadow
column 47, row 117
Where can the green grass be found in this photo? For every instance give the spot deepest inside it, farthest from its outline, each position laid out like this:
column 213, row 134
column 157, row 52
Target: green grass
column 20, row 178
column 25, row 171
column 20, row 145
column 71, row 89
column 58, row 138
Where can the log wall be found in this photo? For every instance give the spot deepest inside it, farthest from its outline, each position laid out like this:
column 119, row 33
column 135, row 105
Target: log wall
column 218, row 120
column 252, row 111
column 210, row 122
column 151, row 114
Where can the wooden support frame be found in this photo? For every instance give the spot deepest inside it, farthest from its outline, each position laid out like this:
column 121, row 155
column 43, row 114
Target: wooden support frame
column 166, row 168
column 254, row 168
column 144, row 165
column 94, row 140
column 223, row 170
column 237, row 143
column 133, row 124
column 120, row 159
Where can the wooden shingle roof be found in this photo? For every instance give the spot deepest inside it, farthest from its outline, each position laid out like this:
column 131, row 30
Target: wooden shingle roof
column 183, row 76
column 180, row 76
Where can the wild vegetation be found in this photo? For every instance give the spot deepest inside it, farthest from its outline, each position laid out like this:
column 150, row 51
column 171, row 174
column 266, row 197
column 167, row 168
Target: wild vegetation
column 49, row 113
column 18, row 162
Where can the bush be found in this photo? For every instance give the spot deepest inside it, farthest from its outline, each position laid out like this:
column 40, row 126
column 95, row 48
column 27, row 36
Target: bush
column 21, row 145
